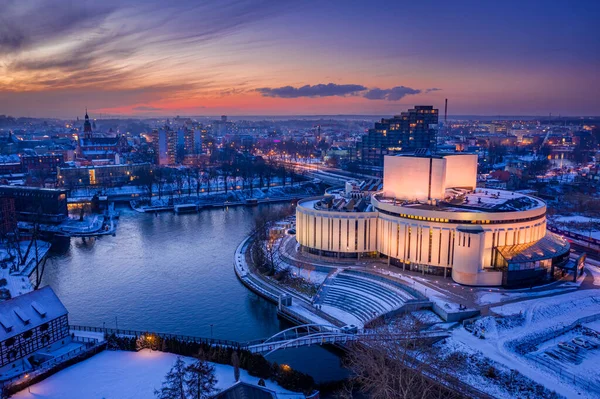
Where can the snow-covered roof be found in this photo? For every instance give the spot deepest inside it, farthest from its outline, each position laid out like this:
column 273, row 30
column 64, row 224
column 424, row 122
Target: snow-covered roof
column 245, row 390
column 28, row 311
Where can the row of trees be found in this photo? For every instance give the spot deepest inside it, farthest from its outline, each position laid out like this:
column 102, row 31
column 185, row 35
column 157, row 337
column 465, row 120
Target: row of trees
column 185, row 181
column 239, row 358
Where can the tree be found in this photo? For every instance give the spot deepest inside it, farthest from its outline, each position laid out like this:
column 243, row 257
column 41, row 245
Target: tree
column 147, row 179
column 188, row 174
column 179, row 181
column 200, row 379
column 235, row 362
column 198, row 176
column 174, row 385
column 333, row 161
column 392, row 369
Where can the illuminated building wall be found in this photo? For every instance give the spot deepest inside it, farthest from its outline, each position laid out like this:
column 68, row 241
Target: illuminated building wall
column 449, row 240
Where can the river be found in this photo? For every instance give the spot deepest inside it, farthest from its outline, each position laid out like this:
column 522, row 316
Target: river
column 174, row 273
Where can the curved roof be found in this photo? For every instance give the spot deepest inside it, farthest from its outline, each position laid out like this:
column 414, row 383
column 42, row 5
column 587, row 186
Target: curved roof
column 548, row 247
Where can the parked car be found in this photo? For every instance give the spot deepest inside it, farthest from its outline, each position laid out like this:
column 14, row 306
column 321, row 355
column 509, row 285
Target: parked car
column 567, row 346
column 582, row 342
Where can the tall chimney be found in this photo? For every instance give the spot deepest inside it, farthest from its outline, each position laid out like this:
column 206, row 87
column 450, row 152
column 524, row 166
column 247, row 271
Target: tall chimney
column 446, row 117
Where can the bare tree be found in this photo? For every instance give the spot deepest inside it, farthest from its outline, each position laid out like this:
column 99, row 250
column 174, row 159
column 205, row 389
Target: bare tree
column 147, row 179
column 390, row 368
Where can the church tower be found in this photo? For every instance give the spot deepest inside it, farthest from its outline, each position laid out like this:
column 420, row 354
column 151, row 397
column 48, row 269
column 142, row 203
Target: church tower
column 87, row 126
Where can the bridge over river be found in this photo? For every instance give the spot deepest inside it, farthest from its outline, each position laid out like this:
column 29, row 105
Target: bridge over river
column 298, row 336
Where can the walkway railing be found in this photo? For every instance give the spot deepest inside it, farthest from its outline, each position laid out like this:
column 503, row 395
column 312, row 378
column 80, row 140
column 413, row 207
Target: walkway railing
column 89, row 344
column 137, row 333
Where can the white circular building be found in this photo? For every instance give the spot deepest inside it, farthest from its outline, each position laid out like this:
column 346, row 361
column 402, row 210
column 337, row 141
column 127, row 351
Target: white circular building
column 430, row 217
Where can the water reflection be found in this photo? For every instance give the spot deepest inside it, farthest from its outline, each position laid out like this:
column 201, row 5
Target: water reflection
column 172, row 273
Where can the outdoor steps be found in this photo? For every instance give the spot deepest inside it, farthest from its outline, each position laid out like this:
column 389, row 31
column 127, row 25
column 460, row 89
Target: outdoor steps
column 369, row 296
column 361, row 295
column 373, row 289
column 352, row 298
column 355, row 306
column 358, row 312
column 387, row 281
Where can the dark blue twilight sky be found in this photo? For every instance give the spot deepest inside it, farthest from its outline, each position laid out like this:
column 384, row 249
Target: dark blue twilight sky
column 243, row 57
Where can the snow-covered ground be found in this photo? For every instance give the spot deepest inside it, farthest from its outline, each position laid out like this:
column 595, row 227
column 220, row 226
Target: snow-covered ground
column 312, row 276
column 565, row 308
column 512, row 340
column 16, row 284
column 17, row 281
column 484, row 298
column 126, row 375
column 586, row 226
column 436, row 295
column 593, row 267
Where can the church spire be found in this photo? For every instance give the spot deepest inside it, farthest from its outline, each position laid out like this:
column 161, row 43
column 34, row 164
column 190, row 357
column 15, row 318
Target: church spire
column 87, row 126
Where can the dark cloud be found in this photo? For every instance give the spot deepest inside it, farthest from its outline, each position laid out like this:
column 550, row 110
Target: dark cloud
column 102, row 38
column 29, row 23
column 332, row 89
column 393, row 94
column 432, row 89
column 319, row 90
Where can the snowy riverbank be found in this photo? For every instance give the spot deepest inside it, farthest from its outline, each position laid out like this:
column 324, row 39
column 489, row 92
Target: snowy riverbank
column 126, row 375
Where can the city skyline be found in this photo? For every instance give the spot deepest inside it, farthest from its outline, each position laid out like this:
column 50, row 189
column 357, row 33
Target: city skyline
column 267, row 58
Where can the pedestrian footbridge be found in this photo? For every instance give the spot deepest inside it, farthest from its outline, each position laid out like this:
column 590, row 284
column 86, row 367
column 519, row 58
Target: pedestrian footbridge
column 320, row 334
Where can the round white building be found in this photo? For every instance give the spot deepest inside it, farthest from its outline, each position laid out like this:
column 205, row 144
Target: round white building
column 430, row 217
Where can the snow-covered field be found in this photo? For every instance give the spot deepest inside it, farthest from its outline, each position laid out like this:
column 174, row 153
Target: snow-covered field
column 526, row 326
column 484, row 298
column 586, row 226
column 125, row 375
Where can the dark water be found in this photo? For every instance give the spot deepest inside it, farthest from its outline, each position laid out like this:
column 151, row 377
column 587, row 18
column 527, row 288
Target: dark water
column 174, row 273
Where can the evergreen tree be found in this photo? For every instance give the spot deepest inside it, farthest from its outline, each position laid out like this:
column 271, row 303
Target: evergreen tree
column 235, row 362
column 200, row 379
column 173, row 387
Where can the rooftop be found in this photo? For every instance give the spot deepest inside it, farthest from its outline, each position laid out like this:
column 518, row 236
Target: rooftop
column 548, row 247
column 26, row 312
column 479, row 200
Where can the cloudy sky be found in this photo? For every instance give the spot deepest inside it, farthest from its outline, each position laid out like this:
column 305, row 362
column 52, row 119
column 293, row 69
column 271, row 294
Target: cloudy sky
column 286, row 57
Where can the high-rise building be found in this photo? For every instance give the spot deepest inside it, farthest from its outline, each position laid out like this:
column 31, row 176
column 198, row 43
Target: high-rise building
column 406, row 132
column 192, row 140
column 172, row 146
column 164, row 142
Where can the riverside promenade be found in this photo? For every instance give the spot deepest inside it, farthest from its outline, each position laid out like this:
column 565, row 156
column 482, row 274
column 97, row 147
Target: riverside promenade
column 347, row 296
column 301, row 311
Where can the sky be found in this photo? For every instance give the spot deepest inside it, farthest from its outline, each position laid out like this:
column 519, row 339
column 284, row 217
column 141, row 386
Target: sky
column 302, row 57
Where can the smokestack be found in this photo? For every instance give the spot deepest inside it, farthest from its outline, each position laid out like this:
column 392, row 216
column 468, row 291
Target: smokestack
column 446, row 116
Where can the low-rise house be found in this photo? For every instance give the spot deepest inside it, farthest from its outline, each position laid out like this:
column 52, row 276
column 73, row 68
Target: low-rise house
column 29, row 323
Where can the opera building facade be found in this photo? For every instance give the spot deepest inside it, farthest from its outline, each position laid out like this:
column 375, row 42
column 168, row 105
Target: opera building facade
column 431, row 217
